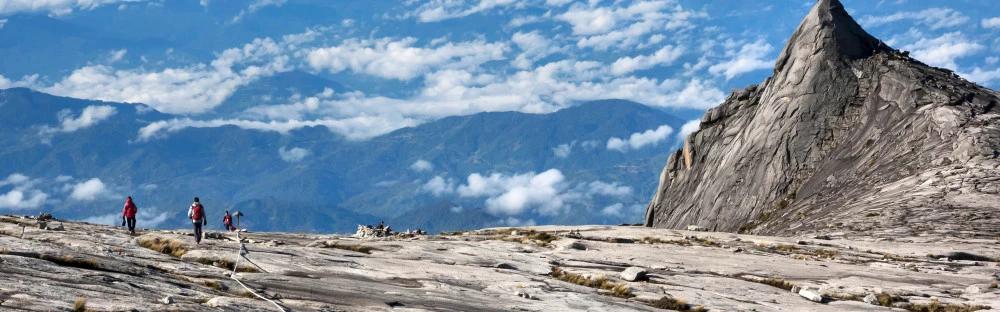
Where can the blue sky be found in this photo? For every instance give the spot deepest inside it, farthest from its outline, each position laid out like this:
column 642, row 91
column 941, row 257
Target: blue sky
column 404, row 63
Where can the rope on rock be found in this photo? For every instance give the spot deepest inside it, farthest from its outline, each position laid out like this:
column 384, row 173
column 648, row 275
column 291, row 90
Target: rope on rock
column 242, row 253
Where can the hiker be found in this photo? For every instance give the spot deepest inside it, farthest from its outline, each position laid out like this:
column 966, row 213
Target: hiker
column 227, row 221
column 197, row 215
column 128, row 214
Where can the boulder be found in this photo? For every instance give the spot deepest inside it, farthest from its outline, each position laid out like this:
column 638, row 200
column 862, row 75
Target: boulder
column 871, row 299
column 569, row 244
column 524, row 294
column 56, row 227
column 167, row 300
column 697, row 228
column 811, row 294
column 633, row 274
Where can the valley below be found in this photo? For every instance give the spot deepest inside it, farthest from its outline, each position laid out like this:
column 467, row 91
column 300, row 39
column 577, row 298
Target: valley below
column 69, row 265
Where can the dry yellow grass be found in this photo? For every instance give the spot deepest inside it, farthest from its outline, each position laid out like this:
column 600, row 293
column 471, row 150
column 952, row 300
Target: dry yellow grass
column 168, row 246
column 620, row 290
column 669, row 303
column 80, row 305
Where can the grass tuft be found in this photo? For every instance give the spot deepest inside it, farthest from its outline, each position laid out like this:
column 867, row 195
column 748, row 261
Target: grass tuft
column 707, row 242
column 355, row 248
column 936, row 306
column 778, row 282
column 226, row 264
column 669, row 303
column 654, row 240
column 167, row 246
column 620, row 290
column 80, row 305
column 214, row 285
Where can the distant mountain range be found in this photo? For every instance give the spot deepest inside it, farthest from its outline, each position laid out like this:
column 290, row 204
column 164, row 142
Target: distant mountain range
column 534, row 168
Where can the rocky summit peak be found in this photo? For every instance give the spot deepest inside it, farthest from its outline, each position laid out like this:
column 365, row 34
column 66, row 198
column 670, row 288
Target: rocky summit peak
column 848, row 135
column 829, row 31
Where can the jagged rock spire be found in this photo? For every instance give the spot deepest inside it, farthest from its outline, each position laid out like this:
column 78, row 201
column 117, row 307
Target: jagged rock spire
column 830, row 31
column 846, row 127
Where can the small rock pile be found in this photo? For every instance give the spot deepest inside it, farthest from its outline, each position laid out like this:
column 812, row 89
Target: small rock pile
column 370, row 231
column 382, row 230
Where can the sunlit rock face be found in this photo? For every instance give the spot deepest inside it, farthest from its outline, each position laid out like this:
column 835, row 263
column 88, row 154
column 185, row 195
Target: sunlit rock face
column 847, row 134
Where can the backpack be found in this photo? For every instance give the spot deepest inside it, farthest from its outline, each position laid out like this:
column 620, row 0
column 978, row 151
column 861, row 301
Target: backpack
column 196, row 212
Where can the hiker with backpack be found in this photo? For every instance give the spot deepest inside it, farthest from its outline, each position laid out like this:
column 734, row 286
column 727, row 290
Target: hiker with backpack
column 227, row 221
column 197, row 215
column 128, row 214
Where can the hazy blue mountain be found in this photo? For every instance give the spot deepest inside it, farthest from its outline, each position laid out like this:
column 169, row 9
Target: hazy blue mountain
column 275, row 89
column 341, row 182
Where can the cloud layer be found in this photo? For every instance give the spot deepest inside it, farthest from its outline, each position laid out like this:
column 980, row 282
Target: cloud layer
column 545, row 193
column 640, row 139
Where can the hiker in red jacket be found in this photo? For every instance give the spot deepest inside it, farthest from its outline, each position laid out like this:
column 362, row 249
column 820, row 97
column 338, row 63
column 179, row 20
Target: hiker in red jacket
column 128, row 214
column 197, row 215
column 227, row 221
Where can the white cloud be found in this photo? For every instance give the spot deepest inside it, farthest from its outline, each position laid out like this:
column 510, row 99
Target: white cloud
column 511, row 221
column 116, row 55
column 613, row 210
column 664, row 56
column 15, row 179
column 688, row 128
column 640, row 139
column 399, row 59
column 625, row 26
column 993, row 22
column 421, row 165
column 357, row 128
column 935, row 18
column 544, row 89
column 146, row 217
column 91, row 115
column 88, row 190
column 534, row 46
column 563, row 150
column 3, row 21
column 513, row 195
column 294, row 154
column 439, row 10
column 525, row 20
column 944, row 50
column 29, row 81
column 982, row 76
column 18, row 199
column 438, row 186
column 608, row 189
column 589, row 21
column 22, row 195
column 53, row 7
column 256, row 5
column 751, row 56
column 192, row 89
column 545, row 193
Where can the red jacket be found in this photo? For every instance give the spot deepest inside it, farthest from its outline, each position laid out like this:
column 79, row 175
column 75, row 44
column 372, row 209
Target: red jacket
column 129, row 210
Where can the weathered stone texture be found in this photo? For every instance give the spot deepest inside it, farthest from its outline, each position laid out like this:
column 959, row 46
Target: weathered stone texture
column 848, row 133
